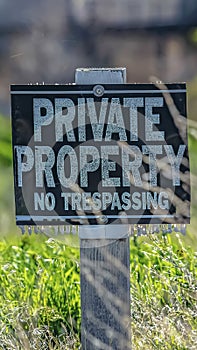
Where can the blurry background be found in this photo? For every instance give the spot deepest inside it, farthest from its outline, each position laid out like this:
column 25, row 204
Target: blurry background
column 46, row 40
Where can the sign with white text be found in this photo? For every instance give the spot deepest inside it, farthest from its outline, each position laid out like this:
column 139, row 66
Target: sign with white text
column 110, row 154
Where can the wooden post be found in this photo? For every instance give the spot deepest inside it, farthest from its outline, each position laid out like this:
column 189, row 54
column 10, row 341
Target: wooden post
column 104, row 264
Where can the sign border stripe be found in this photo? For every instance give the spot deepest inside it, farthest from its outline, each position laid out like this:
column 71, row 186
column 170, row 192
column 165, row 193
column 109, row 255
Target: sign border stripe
column 41, row 218
column 41, row 92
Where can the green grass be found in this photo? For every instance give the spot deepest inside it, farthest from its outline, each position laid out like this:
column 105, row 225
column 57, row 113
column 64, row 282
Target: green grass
column 40, row 294
column 39, row 290
column 5, row 142
column 164, row 294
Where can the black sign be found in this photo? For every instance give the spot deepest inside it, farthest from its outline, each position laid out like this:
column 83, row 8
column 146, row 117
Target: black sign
column 106, row 154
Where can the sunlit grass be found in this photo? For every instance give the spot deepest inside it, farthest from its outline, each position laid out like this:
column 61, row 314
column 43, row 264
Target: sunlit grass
column 164, row 294
column 40, row 294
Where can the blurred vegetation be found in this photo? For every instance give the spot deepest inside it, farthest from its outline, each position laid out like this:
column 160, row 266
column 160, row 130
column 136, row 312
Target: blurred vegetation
column 7, row 225
column 192, row 99
column 5, row 142
column 193, row 36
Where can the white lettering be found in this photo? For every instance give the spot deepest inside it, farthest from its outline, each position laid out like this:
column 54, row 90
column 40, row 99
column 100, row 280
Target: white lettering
column 87, row 166
column 175, row 162
column 64, row 115
column 44, row 166
column 40, row 104
column 67, row 164
column 133, row 166
column 134, row 104
column 108, row 165
column 25, row 161
column 152, row 150
column 151, row 119
column 115, row 112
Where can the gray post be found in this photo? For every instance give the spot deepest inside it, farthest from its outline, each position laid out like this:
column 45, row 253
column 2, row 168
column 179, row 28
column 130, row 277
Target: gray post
column 104, row 264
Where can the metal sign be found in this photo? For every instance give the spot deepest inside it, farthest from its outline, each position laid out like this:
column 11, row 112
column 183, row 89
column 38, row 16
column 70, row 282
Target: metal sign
column 100, row 154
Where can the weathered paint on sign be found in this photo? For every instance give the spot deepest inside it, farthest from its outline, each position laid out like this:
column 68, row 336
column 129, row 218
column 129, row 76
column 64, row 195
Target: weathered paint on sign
column 121, row 157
